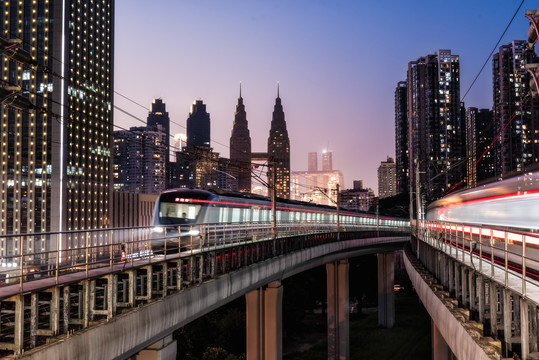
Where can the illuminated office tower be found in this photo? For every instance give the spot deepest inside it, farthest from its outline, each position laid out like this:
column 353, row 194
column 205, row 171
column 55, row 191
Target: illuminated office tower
column 279, row 152
column 312, row 164
column 327, row 160
column 55, row 153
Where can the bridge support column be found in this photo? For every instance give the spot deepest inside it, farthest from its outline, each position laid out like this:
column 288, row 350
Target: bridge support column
column 164, row 349
column 386, row 295
column 338, row 308
column 507, row 319
column 451, row 275
column 440, row 349
column 264, row 322
column 480, row 284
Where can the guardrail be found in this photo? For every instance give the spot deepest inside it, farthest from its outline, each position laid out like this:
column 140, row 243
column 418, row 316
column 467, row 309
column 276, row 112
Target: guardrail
column 515, row 251
column 27, row 257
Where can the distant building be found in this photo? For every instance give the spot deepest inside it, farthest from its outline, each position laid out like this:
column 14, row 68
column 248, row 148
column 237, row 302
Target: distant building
column 279, row 152
column 319, row 187
column 358, row 184
column 387, row 179
column 401, row 137
column 198, row 126
column 139, row 160
column 435, row 123
column 313, row 161
column 159, row 116
column 357, row 199
column 480, row 132
column 132, row 209
column 240, row 151
column 327, row 161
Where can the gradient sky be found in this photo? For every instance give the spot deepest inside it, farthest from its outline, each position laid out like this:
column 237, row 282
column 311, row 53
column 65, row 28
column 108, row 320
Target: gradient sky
column 337, row 62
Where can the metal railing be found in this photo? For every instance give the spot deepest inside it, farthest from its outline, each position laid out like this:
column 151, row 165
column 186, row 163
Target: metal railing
column 28, row 257
column 492, row 248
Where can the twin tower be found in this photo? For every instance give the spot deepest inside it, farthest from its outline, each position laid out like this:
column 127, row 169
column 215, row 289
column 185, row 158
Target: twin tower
column 277, row 155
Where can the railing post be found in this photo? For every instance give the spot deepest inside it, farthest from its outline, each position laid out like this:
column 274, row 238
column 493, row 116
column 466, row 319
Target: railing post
column 165, row 246
column 524, row 266
column 111, row 248
column 480, row 250
column 491, row 253
column 21, row 265
column 57, row 256
column 87, row 253
column 506, row 240
column 150, row 248
column 132, row 245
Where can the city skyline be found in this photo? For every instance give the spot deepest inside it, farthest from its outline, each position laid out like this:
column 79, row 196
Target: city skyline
column 337, row 63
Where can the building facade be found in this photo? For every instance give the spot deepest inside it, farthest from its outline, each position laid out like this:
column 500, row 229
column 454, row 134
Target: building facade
column 435, row 123
column 279, row 152
column 56, row 155
column 240, row 150
column 401, row 137
column 480, row 159
column 387, row 184
column 516, row 118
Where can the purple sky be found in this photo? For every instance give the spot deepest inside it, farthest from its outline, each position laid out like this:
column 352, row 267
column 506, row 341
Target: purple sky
column 337, row 62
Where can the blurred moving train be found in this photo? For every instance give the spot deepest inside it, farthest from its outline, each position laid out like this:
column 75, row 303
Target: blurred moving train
column 511, row 203
column 188, row 208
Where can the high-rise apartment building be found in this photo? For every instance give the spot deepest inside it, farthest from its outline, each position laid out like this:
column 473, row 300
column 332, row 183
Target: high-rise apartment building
column 139, row 159
column 279, row 152
column 240, row 150
column 158, row 115
column 56, row 161
column 401, row 137
column 435, row 123
column 387, row 184
column 480, row 132
column 517, row 148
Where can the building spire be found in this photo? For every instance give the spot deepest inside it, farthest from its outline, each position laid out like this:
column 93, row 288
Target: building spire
column 240, row 89
column 277, row 89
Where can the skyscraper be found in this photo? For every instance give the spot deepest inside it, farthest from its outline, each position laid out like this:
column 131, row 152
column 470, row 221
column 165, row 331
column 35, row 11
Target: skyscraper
column 279, row 152
column 158, row 115
column 327, row 160
column 313, row 162
column 516, row 149
column 435, row 123
column 56, row 161
column 198, row 126
column 401, row 137
column 240, row 149
column 387, row 185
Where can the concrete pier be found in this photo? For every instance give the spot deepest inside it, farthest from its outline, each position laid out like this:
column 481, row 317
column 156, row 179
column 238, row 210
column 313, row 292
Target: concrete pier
column 338, row 310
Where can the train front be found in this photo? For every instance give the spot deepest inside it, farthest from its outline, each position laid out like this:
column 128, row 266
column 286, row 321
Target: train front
column 177, row 217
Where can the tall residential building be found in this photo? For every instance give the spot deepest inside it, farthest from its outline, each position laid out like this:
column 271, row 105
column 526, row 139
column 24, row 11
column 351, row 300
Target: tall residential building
column 139, row 159
column 435, row 123
column 517, row 148
column 240, row 150
column 279, row 152
column 198, row 126
column 387, row 185
column 56, row 162
column 357, row 199
column 401, row 137
column 313, row 162
column 480, row 132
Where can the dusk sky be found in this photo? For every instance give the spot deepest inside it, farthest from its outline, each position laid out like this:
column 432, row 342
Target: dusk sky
column 337, row 62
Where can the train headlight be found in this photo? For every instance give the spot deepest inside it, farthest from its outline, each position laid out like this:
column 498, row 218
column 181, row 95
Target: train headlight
column 193, row 232
column 158, row 229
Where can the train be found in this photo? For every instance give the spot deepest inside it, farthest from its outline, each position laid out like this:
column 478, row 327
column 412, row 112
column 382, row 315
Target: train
column 185, row 210
column 511, row 203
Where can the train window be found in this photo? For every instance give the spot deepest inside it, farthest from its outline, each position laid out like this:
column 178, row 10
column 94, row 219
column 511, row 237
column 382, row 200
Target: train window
column 223, row 215
column 256, row 214
column 236, row 215
column 247, row 215
column 178, row 213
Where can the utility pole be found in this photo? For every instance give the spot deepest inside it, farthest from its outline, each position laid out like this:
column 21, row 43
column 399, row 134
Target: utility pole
column 338, row 212
column 273, row 202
